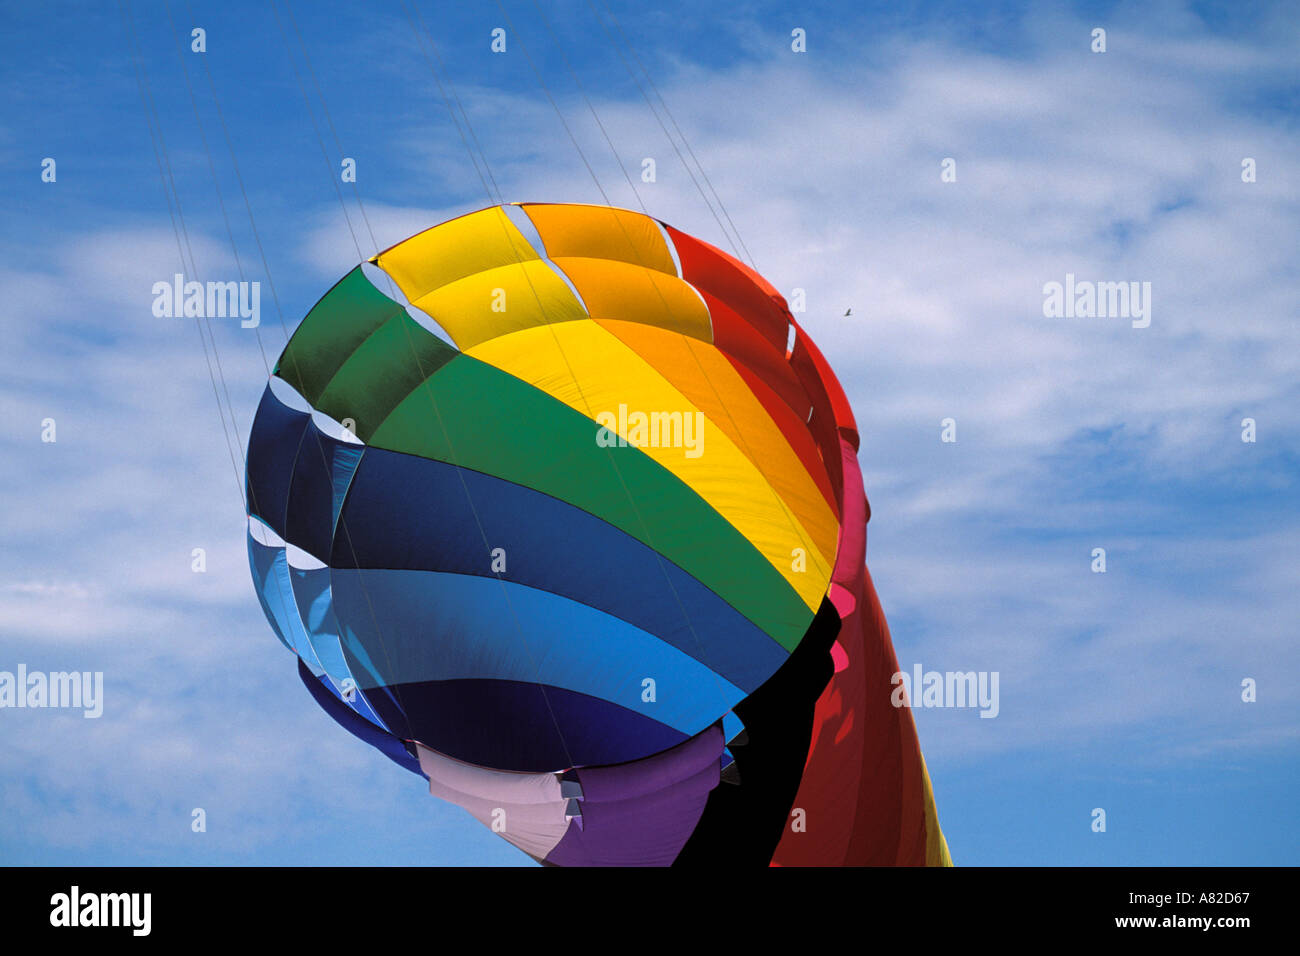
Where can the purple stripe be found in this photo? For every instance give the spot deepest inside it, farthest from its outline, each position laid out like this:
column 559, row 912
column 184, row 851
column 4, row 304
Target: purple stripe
column 642, row 813
column 642, row 777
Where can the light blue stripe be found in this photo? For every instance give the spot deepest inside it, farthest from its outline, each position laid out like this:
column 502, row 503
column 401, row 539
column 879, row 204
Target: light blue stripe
column 312, row 592
column 265, row 562
column 344, row 466
column 439, row 626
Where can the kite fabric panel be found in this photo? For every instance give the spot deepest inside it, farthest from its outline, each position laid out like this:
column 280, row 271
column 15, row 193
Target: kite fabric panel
column 554, row 515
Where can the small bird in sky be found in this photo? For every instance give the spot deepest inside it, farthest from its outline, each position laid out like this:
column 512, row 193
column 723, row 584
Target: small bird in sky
column 848, row 310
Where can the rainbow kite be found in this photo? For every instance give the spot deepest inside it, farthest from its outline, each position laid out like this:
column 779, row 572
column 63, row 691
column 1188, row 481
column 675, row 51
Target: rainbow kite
column 560, row 509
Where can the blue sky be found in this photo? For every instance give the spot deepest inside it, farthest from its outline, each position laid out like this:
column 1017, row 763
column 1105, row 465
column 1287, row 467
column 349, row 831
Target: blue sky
column 1120, row 691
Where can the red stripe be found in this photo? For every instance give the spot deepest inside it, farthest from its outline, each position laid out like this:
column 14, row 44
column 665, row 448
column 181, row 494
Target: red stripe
column 711, row 270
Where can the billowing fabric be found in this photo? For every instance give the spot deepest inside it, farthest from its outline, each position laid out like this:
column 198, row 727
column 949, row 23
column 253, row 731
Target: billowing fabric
column 526, row 809
column 633, row 814
column 595, row 565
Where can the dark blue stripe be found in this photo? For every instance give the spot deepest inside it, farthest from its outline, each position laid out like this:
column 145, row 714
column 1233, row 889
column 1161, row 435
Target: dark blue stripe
column 272, row 447
column 408, row 512
column 513, row 726
column 309, row 518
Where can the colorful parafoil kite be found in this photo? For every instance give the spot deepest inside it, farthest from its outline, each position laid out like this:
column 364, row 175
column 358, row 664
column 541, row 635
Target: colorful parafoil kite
column 560, row 509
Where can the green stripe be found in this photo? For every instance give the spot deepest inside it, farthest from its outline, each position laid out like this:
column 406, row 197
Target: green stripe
column 382, row 372
column 492, row 422
column 336, row 326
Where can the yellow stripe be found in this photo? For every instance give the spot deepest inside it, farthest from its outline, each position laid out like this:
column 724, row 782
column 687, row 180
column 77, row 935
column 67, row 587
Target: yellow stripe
column 483, row 240
column 601, row 232
column 499, row 301
column 611, row 374
column 711, row 383
column 617, row 290
column 936, row 845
